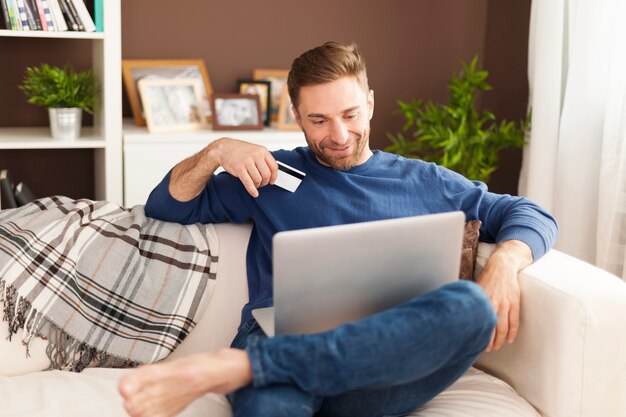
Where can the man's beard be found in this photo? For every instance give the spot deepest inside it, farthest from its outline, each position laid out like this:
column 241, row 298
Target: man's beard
column 343, row 163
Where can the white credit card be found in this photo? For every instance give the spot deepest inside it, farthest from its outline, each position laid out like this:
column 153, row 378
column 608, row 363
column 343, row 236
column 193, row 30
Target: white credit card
column 288, row 177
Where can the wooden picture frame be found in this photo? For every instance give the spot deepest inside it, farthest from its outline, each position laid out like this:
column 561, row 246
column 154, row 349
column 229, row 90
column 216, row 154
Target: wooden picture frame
column 134, row 70
column 262, row 88
column 286, row 118
column 277, row 78
column 172, row 105
column 236, row 112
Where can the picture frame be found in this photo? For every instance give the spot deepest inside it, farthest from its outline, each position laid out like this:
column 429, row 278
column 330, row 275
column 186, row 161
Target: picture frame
column 262, row 88
column 236, row 112
column 286, row 118
column 278, row 79
column 134, row 70
column 172, row 105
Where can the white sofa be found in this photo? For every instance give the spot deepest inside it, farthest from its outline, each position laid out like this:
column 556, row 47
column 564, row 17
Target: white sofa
column 569, row 359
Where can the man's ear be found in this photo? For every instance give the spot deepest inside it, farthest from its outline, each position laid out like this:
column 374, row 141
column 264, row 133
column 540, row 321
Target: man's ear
column 370, row 103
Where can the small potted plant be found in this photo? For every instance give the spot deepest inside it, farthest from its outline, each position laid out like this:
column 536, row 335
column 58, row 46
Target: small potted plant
column 457, row 135
column 65, row 93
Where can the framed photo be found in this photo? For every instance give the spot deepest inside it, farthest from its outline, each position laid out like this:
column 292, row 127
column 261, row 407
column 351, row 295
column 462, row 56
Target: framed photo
column 236, row 112
column 286, row 118
column 172, row 105
column 262, row 89
column 134, row 70
column 277, row 78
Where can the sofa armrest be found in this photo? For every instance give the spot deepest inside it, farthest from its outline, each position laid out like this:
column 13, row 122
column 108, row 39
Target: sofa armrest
column 569, row 357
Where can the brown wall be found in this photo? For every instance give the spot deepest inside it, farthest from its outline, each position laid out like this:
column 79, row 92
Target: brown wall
column 506, row 58
column 412, row 47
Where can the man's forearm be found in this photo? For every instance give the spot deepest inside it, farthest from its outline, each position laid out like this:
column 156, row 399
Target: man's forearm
column 189, row 177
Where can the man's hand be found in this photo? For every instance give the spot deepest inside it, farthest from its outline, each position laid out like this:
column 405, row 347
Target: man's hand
column 253, row 164
column 500, row 282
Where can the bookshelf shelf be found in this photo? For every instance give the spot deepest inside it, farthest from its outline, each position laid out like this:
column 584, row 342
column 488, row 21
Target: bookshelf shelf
column 39, row 138
column 50, row 35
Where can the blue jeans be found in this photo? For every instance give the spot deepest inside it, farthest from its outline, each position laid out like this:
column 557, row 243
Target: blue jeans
column 389, row 364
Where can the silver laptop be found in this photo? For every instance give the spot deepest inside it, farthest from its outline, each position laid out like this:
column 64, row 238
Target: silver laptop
column 327, row 276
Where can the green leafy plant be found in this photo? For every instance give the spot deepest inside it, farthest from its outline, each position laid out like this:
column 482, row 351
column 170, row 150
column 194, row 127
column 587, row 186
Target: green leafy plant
column 456, row 135
column 60, row 87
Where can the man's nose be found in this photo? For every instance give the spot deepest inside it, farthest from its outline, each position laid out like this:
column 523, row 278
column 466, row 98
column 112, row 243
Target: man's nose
column 339, row 132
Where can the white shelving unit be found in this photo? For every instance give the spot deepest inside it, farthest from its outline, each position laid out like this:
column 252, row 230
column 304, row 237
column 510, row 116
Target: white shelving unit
column 105, row 137
column 149, row 156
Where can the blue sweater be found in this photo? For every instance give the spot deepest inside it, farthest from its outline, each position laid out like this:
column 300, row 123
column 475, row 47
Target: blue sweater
column 386, row 186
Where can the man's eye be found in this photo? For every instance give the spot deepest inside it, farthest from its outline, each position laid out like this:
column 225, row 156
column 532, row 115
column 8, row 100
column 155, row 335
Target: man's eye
column 318, row 122
column 350, row 116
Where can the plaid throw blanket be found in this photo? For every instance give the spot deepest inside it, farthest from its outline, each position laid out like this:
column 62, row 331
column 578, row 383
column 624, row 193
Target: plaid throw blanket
column 104, row 285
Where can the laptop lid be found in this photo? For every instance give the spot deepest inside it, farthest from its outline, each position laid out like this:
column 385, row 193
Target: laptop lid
column 327, row 276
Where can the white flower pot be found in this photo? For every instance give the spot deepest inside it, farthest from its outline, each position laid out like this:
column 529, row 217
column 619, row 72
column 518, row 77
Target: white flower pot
column 65, row 122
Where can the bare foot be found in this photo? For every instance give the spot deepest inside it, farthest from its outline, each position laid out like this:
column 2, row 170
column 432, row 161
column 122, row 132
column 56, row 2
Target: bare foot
column 165, row 389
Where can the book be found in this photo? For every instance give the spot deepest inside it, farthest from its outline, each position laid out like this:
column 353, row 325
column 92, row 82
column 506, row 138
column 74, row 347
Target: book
column 67, row 15
column 14, row 15
column 23, row 194
column 22, row 16
column 83, row 14
column 57, row 16
column 41, row 11
column 32, row 15
column 98, row 15
column 51, row 25
column 69, row 5
column 7, row 198
column 5, row 15
column 74, row 13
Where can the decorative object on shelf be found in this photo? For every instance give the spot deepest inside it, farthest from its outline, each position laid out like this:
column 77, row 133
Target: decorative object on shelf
column 7, row 191
column 456, row 135
column 172, row 104
column 236, row 112
column 134, row 70
column 65, row 93
column 277, row 78
column 13, row 196
column 261, row 88
column 286, row 119
column 23, row 194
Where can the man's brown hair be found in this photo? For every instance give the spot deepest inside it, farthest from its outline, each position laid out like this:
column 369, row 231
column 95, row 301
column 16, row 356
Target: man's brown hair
column 324, row 64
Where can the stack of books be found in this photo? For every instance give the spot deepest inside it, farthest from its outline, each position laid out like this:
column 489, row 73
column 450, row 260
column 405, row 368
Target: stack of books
column 51, row 15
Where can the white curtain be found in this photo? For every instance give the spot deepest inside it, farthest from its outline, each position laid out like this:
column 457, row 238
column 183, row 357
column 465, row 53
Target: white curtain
column 575, row 162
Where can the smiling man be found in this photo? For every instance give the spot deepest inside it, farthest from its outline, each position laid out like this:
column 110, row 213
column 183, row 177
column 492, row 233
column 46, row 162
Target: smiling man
column 390, row 363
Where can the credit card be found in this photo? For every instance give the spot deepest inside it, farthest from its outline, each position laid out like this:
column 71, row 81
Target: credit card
column 288, row 177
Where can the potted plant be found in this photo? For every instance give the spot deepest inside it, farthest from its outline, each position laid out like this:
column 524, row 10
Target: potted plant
column 456, row 135
column 65, row 93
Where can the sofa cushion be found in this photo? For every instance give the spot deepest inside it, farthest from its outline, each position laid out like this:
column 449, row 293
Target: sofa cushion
column 469, row 250
column 94, row 393
column 477, row 394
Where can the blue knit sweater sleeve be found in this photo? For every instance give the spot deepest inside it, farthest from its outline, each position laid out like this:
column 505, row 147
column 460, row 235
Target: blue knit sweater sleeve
column 222, row 200
column 504, row 217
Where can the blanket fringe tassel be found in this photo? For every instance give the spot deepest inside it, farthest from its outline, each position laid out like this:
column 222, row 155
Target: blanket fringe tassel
column 65, row 352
